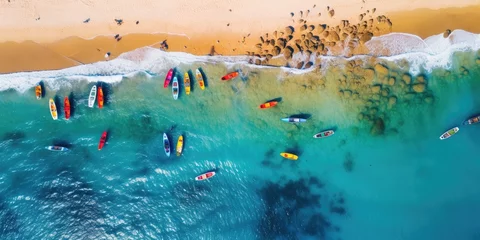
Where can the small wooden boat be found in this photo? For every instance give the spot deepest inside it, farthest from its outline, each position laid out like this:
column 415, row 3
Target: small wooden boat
column 53, row 109
column 205, row 176
column 92, row 97
column 186, row 81
column 199, row 77
column 66, row 107
column 175, row 88
column 103, row 139
column 229, row 76
column 168, row 78
column 472, row 120
column 100, row 97
column 449, row 133
column 38, row 91
column 324, row 134
column 166, row 145
column 269, row 104
column 57, row 148
column 180, row 145
column 289, row 156
column 294, row 120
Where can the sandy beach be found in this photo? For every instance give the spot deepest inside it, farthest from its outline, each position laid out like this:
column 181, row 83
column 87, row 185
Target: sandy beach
column 34, row 39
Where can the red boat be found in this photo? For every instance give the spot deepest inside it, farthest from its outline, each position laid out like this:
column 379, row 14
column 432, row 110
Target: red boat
column 205, row 176
column 230, row 76
column 103, row 139
column 269, row 104
column 66, row 107
column 168, row 78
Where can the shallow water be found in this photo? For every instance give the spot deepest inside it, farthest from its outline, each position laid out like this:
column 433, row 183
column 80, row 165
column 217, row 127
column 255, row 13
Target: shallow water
column 393, row 181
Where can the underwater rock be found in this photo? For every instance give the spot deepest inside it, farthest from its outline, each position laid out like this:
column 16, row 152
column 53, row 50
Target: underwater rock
column 378, row 127
column 419, row 87
column 447, row 33
column 478, row 61
column 392, row 100
column 428, row 99
column 407, row 78
column 376, row 88
column 381, row 70
column 384, row 92
column 369, row 74
column 391, row 81
column 420, row 79
column 347, row 94
column 360, row 116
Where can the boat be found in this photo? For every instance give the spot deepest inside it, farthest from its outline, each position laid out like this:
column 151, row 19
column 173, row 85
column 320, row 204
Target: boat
column 180, row 145
column 166, row 145
column 198, row 74
column 472, row 120
column 53, row 109
column 93, row 95
column 229, row 76
column 268, row 104
column 168, row 78
column 449, row 133
column 175, row 88
column 57, row 148
column 186, row 81
column 289, row 156
column 294, row 120
column 100, row 97
column 66, row 107
column 324, row 134
column 205, row 176
column 103, row 139
column 38, row 91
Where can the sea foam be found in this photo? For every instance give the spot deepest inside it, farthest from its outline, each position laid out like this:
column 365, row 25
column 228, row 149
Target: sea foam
column 422, row 55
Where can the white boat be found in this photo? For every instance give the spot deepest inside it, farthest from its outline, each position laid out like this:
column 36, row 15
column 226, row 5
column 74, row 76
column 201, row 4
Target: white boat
column 57, row 148
column 175, row 88
column 92, row 97
column 166, row 145
column 53, row 109
column 449, row 133
column 324, row 134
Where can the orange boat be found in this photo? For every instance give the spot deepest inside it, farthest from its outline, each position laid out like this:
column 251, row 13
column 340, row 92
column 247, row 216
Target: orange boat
column 66, row 107
column 269, row 104
column 100, row 97
column 38, row 91
column 230, row 76
column 103, row 139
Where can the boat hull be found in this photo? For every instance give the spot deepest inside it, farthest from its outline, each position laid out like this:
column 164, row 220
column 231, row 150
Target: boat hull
column 103, row 140
column 166, row 145
column 66, row 107
column 324, row 134
column 449, row 133
column 230, row 76
column 294, row 120
column 175, row 88
column 168, row 78
column 92, row 96
column 56, row 148
column 268, row 104
column 205, row 176
column 180, row 145
column 199, row 77
column 100, row 97
column 38, row 91
column 289, row 156
column 472, row 120
column 53, row 109
column 186, row 82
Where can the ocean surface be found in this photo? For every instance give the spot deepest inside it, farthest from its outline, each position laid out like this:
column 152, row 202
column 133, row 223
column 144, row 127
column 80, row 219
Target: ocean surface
column 383, row 175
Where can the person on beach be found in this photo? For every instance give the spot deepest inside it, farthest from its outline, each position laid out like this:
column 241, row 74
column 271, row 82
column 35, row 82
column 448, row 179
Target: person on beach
column 164, row 45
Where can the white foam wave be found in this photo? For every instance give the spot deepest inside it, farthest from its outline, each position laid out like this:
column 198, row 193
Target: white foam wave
column 422, row 55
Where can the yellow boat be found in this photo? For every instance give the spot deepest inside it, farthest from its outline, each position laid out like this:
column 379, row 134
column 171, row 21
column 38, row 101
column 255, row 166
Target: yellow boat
column 53, row 109
column 290, row 156
column 38, row 91
column 198, row 74
column 186, row 80
column 180, row 145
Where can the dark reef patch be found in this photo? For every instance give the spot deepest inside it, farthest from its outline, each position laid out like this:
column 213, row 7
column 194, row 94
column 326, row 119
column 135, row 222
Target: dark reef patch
column 348, row 163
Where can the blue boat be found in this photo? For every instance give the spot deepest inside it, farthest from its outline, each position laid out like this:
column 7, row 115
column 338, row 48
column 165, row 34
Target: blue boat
column 294, row 120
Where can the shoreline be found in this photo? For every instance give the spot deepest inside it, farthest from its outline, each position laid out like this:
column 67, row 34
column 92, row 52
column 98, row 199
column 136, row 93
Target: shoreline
column 74, row 50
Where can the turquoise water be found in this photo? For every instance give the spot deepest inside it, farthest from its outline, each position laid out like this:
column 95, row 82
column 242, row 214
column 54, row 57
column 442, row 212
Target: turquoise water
column 403, row 183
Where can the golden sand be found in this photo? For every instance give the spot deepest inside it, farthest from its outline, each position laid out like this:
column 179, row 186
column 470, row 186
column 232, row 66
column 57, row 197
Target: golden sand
column 72, row 51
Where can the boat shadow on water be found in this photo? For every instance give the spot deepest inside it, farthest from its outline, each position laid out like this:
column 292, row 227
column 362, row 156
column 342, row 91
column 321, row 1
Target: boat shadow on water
column 71, row 98
column 278, row 99
column 301, row 115
column 62, row 143
column 43, row 88
column 59, row 104
column 204, row 76
column 192, row 80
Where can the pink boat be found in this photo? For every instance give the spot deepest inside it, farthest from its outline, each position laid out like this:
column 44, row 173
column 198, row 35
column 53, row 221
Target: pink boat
column 205, row 176
column 168, row 78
